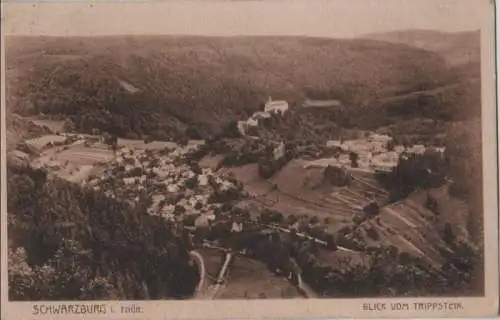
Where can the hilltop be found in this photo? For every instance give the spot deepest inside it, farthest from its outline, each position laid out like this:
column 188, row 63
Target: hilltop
column 461, row 51
column 166, row 86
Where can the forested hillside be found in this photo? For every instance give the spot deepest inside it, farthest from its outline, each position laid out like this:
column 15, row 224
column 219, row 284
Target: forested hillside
column 458, row 49
column 161, row 86
column 66, row 242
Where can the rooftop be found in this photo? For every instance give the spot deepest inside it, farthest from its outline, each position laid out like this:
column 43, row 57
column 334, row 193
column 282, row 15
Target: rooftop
column 321, row 103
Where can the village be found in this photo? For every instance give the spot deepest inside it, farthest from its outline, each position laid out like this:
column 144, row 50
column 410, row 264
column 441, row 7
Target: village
column 371, row 151
column 206, row 204
column 136, row 170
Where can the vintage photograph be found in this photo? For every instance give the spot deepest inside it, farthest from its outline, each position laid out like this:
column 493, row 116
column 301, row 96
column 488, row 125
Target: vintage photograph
column 225, row 150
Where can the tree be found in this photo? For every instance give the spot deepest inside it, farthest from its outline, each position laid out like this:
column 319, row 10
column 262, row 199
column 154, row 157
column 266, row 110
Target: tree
column 193, row 133
column 353, row 157
column 314, row 220
column 291, row 219
column 147, row 139
column 416, row 171
column 448, row 235
column 431, row 204
column 277, row 217
column 372, row 209
column 182, row 141
column 391, row 144
column 191, row 183
column 231, row 130
column 331, row 243
column 265, row 216
column 265, row 169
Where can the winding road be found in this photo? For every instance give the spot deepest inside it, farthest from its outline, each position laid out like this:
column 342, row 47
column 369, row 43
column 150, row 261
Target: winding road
column 200, row 263
column 209, row 292
column 205, row 291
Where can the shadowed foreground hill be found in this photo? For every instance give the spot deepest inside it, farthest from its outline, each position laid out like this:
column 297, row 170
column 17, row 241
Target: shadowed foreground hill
column 159, row 85
column 71, row 243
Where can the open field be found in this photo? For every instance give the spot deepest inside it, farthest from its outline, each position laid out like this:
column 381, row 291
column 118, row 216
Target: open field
column 53, row 125
column 246, row 279
column 75, row 161
column 251, row 279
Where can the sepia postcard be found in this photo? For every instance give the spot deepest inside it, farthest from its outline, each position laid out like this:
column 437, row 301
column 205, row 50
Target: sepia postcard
column 252, row 159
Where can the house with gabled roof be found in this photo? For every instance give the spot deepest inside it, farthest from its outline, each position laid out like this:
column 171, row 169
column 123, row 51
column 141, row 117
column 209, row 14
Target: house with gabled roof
column 276, row 106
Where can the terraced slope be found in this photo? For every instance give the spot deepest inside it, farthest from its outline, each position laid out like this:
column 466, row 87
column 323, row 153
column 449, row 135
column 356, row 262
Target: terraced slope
column 408, row 225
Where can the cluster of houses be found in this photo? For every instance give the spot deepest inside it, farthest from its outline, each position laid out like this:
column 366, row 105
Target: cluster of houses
column 174, row 187
column 373, row 152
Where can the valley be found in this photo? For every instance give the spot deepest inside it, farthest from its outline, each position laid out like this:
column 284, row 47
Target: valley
column 352, row 184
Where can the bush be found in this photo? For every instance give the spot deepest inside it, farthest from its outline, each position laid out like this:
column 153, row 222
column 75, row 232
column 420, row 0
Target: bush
column 353, row 157
column 372, row 209
column 191, row 183
column 265, row 170
column 372, row 233
column 431, row 204
column 193, row 133
column 231, row 130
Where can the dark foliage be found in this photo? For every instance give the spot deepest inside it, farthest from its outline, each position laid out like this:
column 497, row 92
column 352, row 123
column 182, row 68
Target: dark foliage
column 414, row 171
column 89, row 246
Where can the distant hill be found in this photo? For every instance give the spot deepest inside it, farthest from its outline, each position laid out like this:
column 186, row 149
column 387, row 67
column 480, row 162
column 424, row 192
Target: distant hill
column 457, row 101
column 461, row 50
column 198, row 84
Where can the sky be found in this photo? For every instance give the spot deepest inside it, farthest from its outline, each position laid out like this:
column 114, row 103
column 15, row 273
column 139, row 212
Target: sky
column 321, row 18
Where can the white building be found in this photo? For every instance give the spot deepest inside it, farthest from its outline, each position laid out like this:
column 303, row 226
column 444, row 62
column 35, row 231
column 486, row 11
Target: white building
column 242, row 126
column 261, row 115
column 358, row 146
column 251, row 122
column 333, row 144
column 385, row 161
column 379, row 137
column 417, row 149
column 399, row 149
column 279, row 151
column 278, row 106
